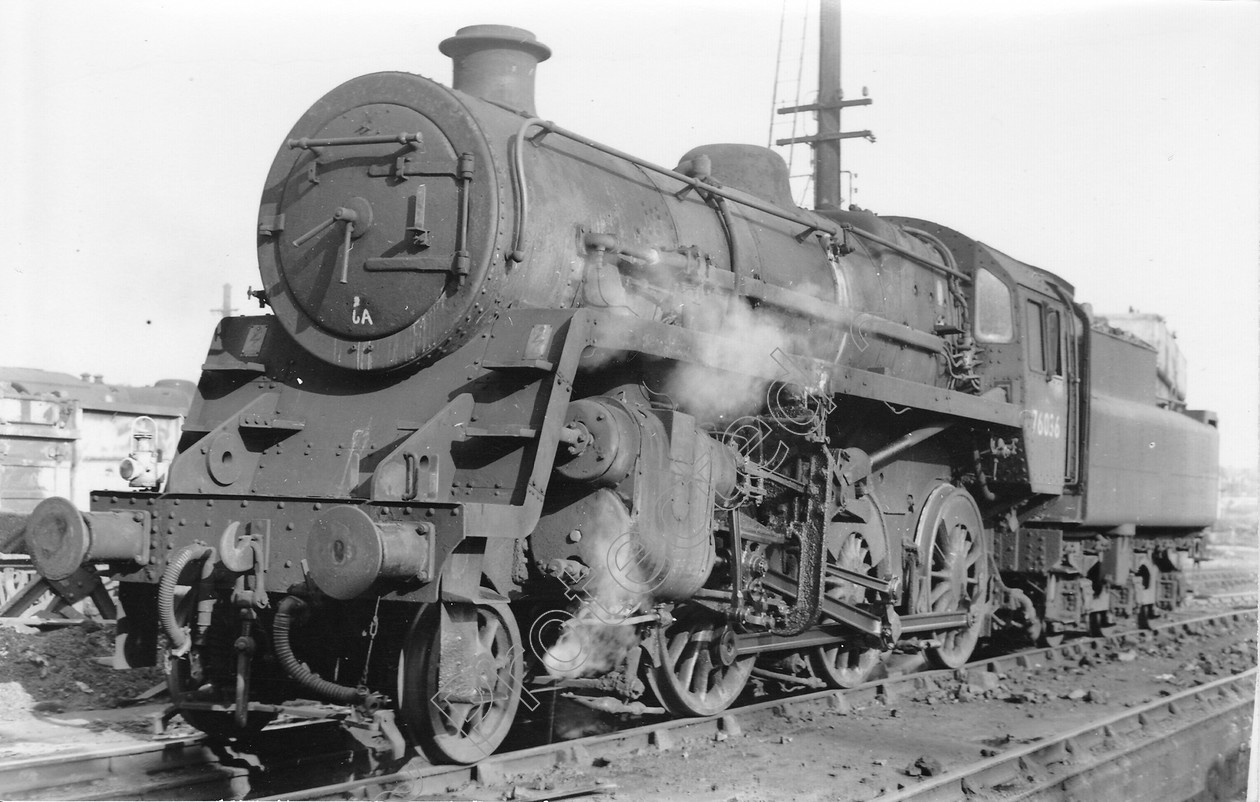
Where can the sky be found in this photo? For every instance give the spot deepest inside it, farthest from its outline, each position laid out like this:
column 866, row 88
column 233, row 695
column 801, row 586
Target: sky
column 1114, row 143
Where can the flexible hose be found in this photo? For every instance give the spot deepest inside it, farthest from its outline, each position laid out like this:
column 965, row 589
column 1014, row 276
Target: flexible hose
column 981, row 481
column 295, row 668
column 166, row 590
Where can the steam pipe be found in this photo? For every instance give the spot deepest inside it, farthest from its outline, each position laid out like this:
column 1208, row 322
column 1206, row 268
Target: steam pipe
column 894, row 449
column 911, row 255
column 298, row 671
column 738, row 269
column 947, row 256
column 166, row 589
column 907, row 441
column 981, row 481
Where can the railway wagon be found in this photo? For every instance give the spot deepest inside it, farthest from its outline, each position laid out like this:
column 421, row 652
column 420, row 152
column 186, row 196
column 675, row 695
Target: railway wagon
column 62, row 435
column 529, row 412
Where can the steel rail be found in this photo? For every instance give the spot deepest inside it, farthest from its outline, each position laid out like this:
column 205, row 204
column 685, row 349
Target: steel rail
column 189, row 768
column 1237, row 599
column 29, row 777
column 663, row 735
column 1202, row 583
column 1178, row 760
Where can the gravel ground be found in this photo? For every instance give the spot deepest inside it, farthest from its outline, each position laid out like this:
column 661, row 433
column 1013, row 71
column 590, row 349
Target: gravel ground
column 58, row 695
column 861, row 753
column 64, row 669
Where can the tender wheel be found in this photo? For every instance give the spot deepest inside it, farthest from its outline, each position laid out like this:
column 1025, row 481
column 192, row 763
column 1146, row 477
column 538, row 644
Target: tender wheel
column 1146, row 577
column 698, row 672
column 1100, row 624
column 957, row 570
column 846, row 665
column 466, row 720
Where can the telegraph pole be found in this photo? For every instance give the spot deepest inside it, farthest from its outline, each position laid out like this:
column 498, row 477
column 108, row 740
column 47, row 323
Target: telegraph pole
column 226, row 310
column 826, row 142
column 830, row 96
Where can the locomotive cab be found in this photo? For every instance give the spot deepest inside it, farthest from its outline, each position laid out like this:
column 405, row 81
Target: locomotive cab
column 1030, row 333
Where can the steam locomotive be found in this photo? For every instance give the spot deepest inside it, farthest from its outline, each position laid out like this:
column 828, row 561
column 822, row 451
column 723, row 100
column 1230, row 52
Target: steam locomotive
column 529, row 411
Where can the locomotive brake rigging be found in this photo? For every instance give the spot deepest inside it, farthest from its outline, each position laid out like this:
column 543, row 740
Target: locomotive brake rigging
column 530, row 411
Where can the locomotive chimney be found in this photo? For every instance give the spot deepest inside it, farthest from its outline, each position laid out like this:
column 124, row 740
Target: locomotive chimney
column 496, row 63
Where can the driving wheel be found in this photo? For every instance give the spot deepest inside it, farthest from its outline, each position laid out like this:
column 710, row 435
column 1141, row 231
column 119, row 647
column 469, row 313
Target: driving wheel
column 956, row 571
column 849, row 663
column 698, row 672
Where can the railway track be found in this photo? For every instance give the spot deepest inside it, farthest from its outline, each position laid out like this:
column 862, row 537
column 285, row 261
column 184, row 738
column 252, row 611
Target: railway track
column 1191, row 745
column 329, row 764
column 676, row 735
column 1221, row 588
column 190, row 767
column 1241, row 598
column 1218, row 580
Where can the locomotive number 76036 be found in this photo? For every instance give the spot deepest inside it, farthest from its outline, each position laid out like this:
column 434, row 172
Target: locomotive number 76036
column 1046, row 424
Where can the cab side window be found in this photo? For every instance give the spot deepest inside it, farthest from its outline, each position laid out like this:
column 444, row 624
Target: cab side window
column 1036, row 338
column 1045, row 352
column 994, row 321
column 1054, row 353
